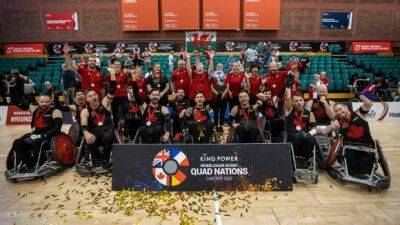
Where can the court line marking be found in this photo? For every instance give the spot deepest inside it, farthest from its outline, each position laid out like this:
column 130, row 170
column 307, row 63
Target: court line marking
column 218, row 219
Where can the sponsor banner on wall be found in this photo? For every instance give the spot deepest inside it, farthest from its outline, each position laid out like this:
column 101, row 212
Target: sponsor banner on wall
column 283, row 46
column 139, row 15
column 261, row 14
column 200, row 40
column 180, row 14
column 371, row 47
column 3, row 115
column 17, row 116
column 61, row 21
column 221, row 14
column 242, row 167
column 337, row 20
column 24, row 49
column 381, row 111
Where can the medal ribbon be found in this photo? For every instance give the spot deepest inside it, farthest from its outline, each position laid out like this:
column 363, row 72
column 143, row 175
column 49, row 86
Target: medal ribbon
column 297, row 119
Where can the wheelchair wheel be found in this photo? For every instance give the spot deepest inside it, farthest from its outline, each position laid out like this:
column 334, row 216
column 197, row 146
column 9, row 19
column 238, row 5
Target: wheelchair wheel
column 334, row 148
column 63, row 149
column 11, row 161
column 74, row 132
column 383, row 163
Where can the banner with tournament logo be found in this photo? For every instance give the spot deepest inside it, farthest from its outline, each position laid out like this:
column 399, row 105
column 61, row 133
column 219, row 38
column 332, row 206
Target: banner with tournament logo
column 381, row 111
column 17, row 116
column 371, row 47
column 200, row 40
column 198, row 167
column 24, row 49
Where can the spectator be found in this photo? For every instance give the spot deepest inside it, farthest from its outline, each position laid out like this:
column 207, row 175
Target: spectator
column 324, row 78
column 171, row 61
column 267, row 51
column 15, row 83
column 219, row 104
column 305, row 62
column 29, row 91
column 207, row 54
column 3, row 89
column 182, row 55
column 147, row 57
column 231, row 60
column 250, row 56
column 159, row 82
column 68, row 77
column 137, row 58
column 128, row 61
column 98, row 61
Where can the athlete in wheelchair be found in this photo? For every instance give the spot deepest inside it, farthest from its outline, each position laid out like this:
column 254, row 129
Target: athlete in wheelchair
column 300, row 128
column 130, row 119
column 94, row 153
column 244, row 122
column 157, row 124
column 197, row 123
column 43, row 152
column 75, row 109
column 274, row 123
column 178, row 105
column 322, row 108
column 354, row 156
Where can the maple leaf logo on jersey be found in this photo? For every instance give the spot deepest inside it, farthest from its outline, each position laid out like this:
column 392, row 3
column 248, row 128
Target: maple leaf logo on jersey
column 320, row 112
column 269, row 113
column 355, row 132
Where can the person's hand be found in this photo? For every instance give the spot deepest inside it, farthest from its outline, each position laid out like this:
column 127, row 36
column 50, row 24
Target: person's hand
column 212, row 54
column 322, row 99
column 263, row 81
column 173, row 96
column 235, row 125
column 261, row 96
column 90, row 138
column 288, row 93
column 335, row 125
column 187, row 54
column 165, row 137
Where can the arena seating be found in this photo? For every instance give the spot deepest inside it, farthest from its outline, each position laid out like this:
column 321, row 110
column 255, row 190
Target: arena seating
column 378, row 65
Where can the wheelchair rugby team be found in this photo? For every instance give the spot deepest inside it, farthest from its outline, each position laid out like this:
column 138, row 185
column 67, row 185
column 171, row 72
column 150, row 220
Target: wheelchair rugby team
column 126, row 106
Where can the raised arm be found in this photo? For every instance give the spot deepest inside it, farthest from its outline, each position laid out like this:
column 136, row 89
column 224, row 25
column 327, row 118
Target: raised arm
column 68, row 59
column 288, row 102
column 211, row 66
column 110, row 95
column 188, row 65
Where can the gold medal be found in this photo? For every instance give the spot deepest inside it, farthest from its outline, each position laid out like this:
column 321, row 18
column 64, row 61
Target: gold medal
column 140, row 90
column 100, row 124
column 181, row 80
column 92, row 84
column 148, row 123
column 298, row 128
column 274, row 86
column 118, row 86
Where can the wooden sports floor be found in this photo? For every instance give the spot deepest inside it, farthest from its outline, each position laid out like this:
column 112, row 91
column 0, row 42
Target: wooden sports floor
column 70, row 199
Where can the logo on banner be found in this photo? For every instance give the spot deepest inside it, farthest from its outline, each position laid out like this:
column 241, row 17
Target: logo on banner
column 16, row 116
column 166, row 167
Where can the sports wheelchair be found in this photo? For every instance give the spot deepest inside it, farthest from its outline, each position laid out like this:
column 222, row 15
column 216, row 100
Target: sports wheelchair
column 358, row 163
column 305, row 169
column 53, row 157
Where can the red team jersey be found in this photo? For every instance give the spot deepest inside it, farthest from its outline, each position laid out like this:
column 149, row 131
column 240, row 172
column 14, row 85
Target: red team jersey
column 255, row 83
column 235, row 83
column 181, row 80
column 91, row 80
column 200, row 83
